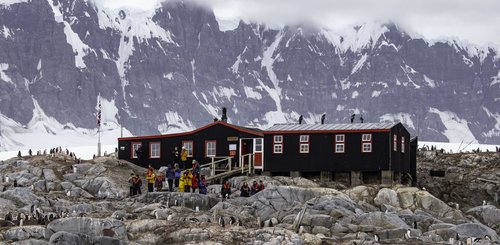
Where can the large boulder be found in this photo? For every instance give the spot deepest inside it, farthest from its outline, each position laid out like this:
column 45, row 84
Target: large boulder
column 361, row 193
column 432, row 204
column 406, row 197
column 189, row 235
column 104, row 187
column 383, row 220
column 488, row 215
column 24, row 233
column 22, row 195
column 387, row 197
column 66, row 238
column 145, row 225
column 476, row 230
column 89, row 226
column 280, row 200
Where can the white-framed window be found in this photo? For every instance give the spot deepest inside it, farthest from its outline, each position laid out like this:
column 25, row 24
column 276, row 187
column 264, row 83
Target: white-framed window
column 278, row 148
column 339, row 138
column 304, row 148
column 395, row 142
column 304, row 139
column 403, row 144
column 366, row 143
column 210, row 148
column 278, row 139
column 278, row 144
column 367, row 147
column 134, row 148
column 258, row 144
column 339, row 143
column 366, row 137
column 339, row 148
column 188, row 144
column 154, row 149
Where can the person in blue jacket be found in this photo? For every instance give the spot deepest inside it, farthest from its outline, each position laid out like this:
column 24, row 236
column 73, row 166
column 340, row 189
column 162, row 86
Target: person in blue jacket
column 170, row 177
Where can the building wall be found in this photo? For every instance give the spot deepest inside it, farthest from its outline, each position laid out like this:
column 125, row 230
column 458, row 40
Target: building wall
column 400, row 161
column 219, row 132
column 322, row 156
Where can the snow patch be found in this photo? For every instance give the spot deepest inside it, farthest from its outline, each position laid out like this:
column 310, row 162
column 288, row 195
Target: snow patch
column 495, row 131
column 357, row 37
column 251, row 93
column 4, row 77
column 360, row 63
column 404, row 118
column 354, row 95
column 174, row 123
column 457, row 129
column 224, row 92
column 267, row 62
column 79, row 48
column 168, row 76
column 429, row 82
column 9, row 2
column 375, row 93
column 193, row 69
column 44, row 132
column 6, row 32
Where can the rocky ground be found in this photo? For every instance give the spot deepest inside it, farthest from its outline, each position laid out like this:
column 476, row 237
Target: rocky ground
column 92, row 199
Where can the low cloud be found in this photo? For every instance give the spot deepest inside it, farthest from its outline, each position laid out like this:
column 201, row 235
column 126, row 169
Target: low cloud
column 476, row 21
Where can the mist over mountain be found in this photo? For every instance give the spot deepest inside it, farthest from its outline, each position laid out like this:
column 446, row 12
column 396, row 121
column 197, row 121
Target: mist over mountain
column 174, row 68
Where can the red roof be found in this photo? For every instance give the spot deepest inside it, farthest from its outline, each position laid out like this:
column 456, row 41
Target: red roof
column 240, row 129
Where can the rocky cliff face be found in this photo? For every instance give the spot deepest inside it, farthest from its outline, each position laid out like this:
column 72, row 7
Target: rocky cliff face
column 174, row 69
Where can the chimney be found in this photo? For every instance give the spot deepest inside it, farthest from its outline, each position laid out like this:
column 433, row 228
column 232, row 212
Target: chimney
column 361, row 119
column 300, row 119
column 352, row 117
column 323, row 119
column 224, row 114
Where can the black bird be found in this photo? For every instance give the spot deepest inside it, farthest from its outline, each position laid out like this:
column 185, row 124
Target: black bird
column 352, row 117
column 361, row 119
column 222, row 223
column 232, row 221
column 8, row 217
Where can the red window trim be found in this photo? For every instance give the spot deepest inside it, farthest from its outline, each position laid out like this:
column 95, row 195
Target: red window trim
column 282, row 149
column 205, row 153
column 308, row 147
column 151, row 150
column 274, row 139
column 304, row 143
column 335, row 142
column 192, row 145
column 395, row 142
column 403, row 144
column 132, row 149
column 367, row 142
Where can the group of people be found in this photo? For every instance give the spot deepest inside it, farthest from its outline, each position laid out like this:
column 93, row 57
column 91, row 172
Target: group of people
column 247, row 191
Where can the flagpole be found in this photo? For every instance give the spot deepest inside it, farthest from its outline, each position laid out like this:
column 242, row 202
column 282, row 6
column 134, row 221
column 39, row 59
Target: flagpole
column 99, row 130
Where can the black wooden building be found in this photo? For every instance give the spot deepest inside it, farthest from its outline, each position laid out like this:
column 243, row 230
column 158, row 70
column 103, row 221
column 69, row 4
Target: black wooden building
column 218, row 139
column 357, row 153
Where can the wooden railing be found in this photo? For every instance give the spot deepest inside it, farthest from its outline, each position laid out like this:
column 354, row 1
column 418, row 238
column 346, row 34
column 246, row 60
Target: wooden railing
column 245, row 166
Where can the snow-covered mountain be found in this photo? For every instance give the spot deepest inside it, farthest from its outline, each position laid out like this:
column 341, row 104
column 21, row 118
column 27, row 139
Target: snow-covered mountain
column 174, row 69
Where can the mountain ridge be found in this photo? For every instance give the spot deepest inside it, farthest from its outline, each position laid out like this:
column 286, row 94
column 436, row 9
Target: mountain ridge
column 159, row 71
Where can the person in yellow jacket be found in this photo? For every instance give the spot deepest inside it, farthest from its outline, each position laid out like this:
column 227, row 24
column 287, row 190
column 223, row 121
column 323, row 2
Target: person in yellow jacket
column 150, row 177
column 182, row 183
column 184, row 156
column 189, row 181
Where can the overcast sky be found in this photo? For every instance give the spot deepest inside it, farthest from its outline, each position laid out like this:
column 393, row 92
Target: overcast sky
column 477, row 21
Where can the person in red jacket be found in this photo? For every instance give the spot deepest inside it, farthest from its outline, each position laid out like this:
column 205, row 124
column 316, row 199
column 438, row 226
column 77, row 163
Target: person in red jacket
column 194, row 182
column 261, row 186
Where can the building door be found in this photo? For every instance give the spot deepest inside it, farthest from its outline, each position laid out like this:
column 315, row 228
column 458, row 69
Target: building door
column 246, row 148
column 258, row 150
